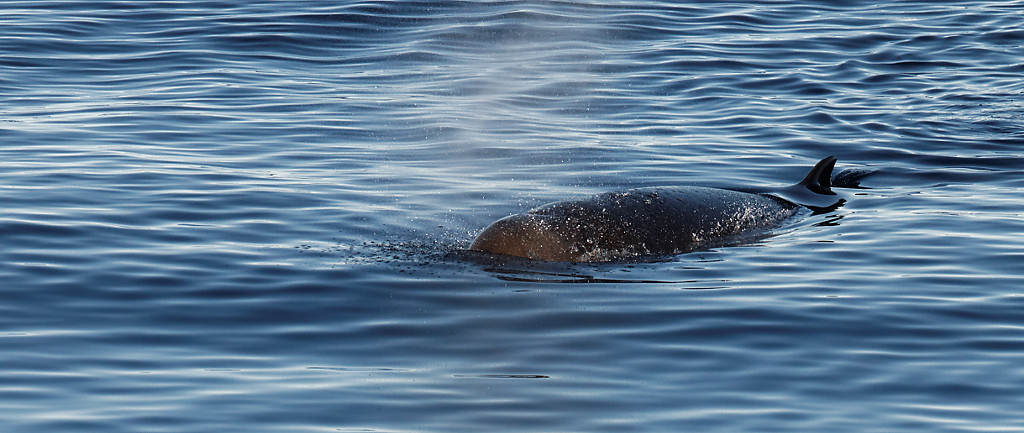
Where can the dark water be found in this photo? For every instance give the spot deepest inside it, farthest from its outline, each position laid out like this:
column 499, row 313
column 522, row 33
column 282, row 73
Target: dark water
column 247, row 216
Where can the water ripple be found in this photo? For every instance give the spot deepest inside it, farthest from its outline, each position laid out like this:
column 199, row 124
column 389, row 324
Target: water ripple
column 253, row 215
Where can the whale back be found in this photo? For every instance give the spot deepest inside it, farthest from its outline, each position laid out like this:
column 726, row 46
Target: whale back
column 649, row 221
column 635, row 222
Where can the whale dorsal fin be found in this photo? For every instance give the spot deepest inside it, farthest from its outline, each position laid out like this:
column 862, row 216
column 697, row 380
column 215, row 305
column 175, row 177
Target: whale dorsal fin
column 819, row 179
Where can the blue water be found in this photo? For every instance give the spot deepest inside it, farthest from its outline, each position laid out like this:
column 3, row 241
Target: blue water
column 249, row 216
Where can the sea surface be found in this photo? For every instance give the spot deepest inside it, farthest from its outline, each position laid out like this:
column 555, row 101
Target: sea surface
column 252, row 216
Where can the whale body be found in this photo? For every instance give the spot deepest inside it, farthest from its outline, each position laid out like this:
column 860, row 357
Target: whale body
column 646, row 221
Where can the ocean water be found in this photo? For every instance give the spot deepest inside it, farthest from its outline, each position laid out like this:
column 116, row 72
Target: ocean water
column 251, row 216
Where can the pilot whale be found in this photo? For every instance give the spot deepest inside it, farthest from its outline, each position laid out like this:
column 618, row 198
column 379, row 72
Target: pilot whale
column 652, row 221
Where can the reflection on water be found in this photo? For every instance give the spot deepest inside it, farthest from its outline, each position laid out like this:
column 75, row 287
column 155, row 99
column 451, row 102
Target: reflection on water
column 533, row 276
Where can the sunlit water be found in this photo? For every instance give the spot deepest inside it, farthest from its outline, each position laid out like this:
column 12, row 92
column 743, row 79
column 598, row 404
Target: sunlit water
column 250, row 216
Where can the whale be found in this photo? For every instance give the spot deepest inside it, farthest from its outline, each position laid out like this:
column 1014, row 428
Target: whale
column 656, row 221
